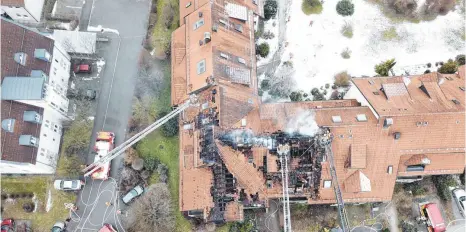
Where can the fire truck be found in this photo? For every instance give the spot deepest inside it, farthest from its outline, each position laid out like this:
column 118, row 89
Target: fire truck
column 105, row 142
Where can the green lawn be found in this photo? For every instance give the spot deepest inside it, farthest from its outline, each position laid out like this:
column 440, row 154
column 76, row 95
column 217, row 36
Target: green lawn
column 166, row 150
column 161, row 35
column 41, row 220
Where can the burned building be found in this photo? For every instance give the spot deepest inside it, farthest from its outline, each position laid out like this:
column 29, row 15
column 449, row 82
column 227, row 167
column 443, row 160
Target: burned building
column 388, row 129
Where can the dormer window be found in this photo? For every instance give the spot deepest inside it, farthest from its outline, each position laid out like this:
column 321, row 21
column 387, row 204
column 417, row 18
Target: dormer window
column 39, row 74
column 42, row 54
column 188, row 4
column 28, row 140
column 198, row 24
column 241, row 61
column 239, row 27
column 361, row 118
column 32, row 116
column 20, row 58
column 8, row 125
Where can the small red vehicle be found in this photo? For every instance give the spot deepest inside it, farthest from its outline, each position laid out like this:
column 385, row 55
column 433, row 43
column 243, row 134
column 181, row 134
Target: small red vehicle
column 8, row 225
column 430, row 213
column 82, row 68
column 107, row 228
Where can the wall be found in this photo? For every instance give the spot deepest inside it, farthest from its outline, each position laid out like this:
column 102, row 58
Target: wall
column 19, row 14
column 35, row 8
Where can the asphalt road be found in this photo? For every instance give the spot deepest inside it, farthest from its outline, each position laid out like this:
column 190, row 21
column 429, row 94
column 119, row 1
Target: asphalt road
column 124, row 21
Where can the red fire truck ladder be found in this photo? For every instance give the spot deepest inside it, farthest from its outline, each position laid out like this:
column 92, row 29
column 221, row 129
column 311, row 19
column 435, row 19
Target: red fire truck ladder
column 284, row 152
column 327, row 142
column 136, row 138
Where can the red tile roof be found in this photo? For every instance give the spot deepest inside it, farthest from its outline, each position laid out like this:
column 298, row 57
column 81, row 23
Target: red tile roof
column 12, row 3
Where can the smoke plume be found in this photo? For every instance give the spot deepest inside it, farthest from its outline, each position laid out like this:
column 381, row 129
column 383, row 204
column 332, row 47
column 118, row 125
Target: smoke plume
column 303, row 123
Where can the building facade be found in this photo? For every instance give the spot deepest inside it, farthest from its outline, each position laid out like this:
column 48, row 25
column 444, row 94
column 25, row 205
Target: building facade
column 23, row 11
column 35, row 75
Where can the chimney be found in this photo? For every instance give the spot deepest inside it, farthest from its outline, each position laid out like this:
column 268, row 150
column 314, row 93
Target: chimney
column 206, row 37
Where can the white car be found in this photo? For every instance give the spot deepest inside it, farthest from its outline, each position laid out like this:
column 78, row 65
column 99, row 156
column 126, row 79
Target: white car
column 135, row 192
column 68, row 184
column 460, row 198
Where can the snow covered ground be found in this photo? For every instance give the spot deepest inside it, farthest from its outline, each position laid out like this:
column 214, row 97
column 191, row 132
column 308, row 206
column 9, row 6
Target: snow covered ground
column 315, row 50
column 269, row 26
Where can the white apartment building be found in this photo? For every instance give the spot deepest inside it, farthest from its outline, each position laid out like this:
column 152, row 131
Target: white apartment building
column 35, row 75
column 28, row 11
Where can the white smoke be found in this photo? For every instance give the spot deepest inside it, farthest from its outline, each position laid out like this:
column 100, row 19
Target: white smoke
column 303, row 123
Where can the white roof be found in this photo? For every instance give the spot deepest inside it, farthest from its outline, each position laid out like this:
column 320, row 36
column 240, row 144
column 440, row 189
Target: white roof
column 76, row 41
column 237, row 11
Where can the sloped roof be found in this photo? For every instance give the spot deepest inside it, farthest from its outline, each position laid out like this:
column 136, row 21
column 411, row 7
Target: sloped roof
column 358, row 156
column 178, row 74
column 17, row 38
column 76, row 41
column 18, row 3
column 10, row 148
column 235, row 104
column 357, row 182
column 247, row 176
column 417, row 160
column 422, row 94
column 22, row 88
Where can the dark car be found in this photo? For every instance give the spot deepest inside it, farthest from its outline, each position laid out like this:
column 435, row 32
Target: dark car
column 8, row 225
column 82, row 68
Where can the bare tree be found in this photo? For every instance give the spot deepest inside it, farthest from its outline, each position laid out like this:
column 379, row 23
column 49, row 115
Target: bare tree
column 282, row 82
column 128, row 179
column 152, row 211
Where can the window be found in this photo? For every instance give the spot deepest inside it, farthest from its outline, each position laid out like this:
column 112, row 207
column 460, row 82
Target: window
column 18, row 15
column 188, row 4
column 455, row 101
column 198, row 24
column 361, row 118
column 376, row 93
column 390, row 169
column 241, row 61
column 25, row 16
column 239, row 27
column 415, row 168
column 224, row 56
column 462, row 88
column 45, row 135
column 336, row 119
column 327, row 183
column 201, row 67
column 56, row 61
column 222, row 22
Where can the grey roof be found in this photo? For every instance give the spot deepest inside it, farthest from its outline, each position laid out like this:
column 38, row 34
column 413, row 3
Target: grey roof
column 25, row 140
column 22, row 88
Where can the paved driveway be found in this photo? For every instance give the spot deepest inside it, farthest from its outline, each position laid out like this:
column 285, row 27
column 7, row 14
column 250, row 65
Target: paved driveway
column 124, row 21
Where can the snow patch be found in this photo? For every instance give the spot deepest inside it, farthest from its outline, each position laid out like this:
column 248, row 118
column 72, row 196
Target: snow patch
column 273, row 43
column 99, row 28
column 315, row 48
column 49, row 204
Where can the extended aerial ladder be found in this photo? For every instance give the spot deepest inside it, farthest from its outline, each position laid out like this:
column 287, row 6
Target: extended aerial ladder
column 327, row 142
column 136, row 138
column 283, row 151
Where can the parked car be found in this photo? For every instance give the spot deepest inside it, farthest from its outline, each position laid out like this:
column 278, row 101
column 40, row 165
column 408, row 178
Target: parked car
column 88, row 94
column 133, row 193
column 58, row 227
column 107, row 228
column 8, row 225
column 460, row 198
column 68, row 184
column 82, row 68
